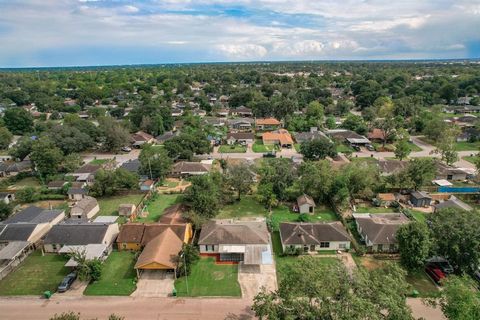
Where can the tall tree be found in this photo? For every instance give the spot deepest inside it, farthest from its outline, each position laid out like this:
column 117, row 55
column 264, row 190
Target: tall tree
column 240, row 177
column 154, row 162
column 319, row 148
column 46, row 157
column 114, row 134
column 204, row 195
column 18, row 120
column 5, row 138
column 414, row 244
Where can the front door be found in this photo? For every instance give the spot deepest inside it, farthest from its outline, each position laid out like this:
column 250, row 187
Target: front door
column 305, row 248
column 312, row 247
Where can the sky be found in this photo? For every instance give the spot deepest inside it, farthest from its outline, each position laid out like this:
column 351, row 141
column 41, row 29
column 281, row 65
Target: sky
column 38, row 33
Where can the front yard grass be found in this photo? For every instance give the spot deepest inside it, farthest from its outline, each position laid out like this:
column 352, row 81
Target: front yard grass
column 109, row 205
column 467, row 146
column 118, row 276
column 99, row 161
column 343, row 148
column 233, row 148
column 35, row 275
column 258, row 146
column 470, row 159
column 156, row 207
column 282, row 262
column 375, row 210
column 209, row 279
column 27, row 182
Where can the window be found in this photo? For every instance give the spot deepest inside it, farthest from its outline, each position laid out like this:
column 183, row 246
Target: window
column 392, row 247
column 342, row 246
column 324, row 244
column 124, row 245
column 209, row 247
column 380, row 247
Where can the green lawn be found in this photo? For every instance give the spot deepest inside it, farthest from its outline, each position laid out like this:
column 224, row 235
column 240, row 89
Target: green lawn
column 467, row 146
column 364, row 159
column 170, row 184
column 414, row 147
column 420, row 281
column 249, row 207
column 208, row 279
column 258, row 146
column 234, row 148
column 374, row 210
column 35, row 275
column 470, row 159
column 419, row 216
column 156, row 207
column 109, row 205
column 282, row 262
column 27, row 182
column 343, row 148
column 118, row 276
column 99, row 161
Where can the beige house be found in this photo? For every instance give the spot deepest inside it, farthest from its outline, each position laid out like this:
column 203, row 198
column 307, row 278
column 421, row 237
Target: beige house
column 312, row 237
column 305, row 204
column 86, row 208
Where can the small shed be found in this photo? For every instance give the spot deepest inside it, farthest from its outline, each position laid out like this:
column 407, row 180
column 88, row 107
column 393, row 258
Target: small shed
column 305, row 204
column 420, row 199
column 126, row 210
column 147, row 185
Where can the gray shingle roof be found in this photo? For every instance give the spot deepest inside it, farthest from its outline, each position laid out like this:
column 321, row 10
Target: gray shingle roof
column 381, row 228
column 17, row 231
column 312, row 233
column 34, row 214
column 76, row 234
column 305, row 199
column 453, row 203
column 131, row 165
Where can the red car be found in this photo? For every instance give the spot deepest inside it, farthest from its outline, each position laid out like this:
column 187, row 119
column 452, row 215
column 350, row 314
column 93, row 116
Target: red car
column 436, row 274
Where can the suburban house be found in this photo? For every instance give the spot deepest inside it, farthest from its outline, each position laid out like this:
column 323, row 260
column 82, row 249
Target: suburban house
column 344, row 135
column 313, row 134
column 56, row 185
column 79, row 234
column 241, row 124
column 223, row 112
column 279, row 137
column 76, row 194
column 161, row 139
column 140, row 138
column 21, row 232
column 377, row 135
column 132, row 166
column 215, row 122
column 452, row 203
column 265, row 124
column 7, row 197
column 127, row 210
column 240, row 137
column 10, row 168
column 379, row 230
column 86, row 173
column 420, row 199
column 186, row 169
column 450, row 173
column 241, row 111
column 305, row 204
column 233, row 241
column 313, row 237
column 160, row 243
column 389, row 167
column 85, row 209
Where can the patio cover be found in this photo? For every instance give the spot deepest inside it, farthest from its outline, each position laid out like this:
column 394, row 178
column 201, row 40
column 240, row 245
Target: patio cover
column 92, row 251
column 442, row 183
column 257, row 254
column 106, row 219
column 13, row 249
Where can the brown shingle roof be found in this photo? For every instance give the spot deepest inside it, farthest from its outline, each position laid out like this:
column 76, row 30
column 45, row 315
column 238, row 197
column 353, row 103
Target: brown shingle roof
column 234, row 232
column 131, row 233
column 305, row 199
column 184, row 166
column 268, row 121
column 154, row 229
column 161, row 250
column 312, row 233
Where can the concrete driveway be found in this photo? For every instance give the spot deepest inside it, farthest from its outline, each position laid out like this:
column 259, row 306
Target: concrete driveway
column 76, row 289
column 253, row 277
column 154, row 284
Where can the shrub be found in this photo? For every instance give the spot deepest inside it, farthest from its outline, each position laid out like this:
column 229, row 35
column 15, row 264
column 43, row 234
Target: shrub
column 292, row 251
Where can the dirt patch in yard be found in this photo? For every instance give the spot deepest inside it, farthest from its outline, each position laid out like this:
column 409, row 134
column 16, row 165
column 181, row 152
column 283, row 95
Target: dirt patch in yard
column 218, row 275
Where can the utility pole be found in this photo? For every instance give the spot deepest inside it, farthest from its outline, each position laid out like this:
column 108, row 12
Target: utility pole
column 150, row 168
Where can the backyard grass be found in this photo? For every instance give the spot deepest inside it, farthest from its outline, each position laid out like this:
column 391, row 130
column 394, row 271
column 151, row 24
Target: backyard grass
column 467, row 146
column 35, row 275
column 419, row 216
column 156, row 207
column 118, row 276
column 249, row 207
column 258, row 146
column 343, row 148
column 234, row 148
column 374, row 210
column 109, row 205
column 364, row 159
column 414, row 147
column 209, row 279
column 27, row 182
column 99, row 161
column 470, row 159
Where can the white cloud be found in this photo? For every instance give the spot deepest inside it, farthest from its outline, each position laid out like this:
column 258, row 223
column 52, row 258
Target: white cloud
column 243, row 51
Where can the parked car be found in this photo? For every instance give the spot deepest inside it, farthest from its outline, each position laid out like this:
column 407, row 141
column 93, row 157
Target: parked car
column 67, row 282
column 356, row 148
column 270, row 155
column 435, row 273
column 126, row 149
column 370, row 147
column 440, row 263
